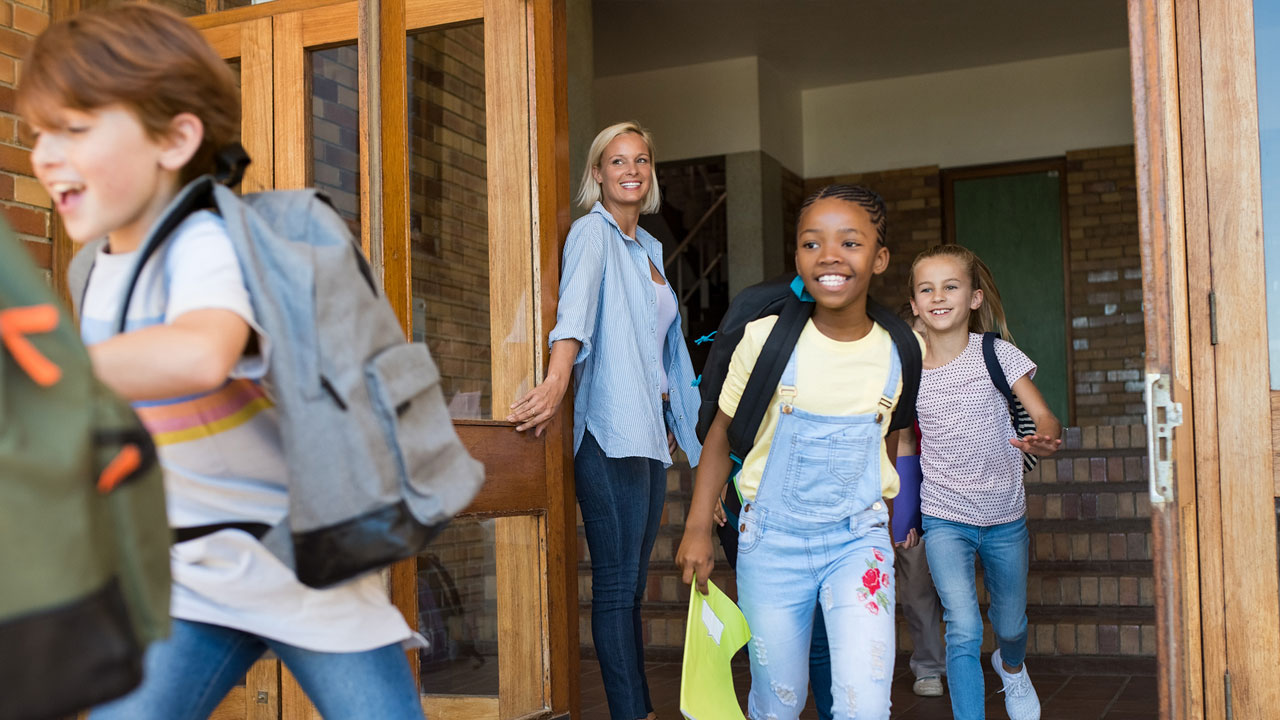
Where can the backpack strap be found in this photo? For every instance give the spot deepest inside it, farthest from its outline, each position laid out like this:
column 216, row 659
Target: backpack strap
column 993, row 366
column 79, row 270
column 197, row 195
column 765, row 376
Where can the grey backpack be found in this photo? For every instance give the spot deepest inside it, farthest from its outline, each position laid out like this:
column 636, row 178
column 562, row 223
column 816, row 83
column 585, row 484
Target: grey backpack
column 375, row 467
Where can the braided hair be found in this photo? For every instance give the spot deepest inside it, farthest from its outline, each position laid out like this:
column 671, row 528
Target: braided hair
column 865, row 198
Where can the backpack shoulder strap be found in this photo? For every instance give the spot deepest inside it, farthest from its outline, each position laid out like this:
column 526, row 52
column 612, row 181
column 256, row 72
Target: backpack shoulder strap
column 993, row 366
column 904, row 339
column 765, row 376
column 78, row 273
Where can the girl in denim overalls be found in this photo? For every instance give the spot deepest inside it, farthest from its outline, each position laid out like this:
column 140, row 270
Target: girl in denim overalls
column 814, row 524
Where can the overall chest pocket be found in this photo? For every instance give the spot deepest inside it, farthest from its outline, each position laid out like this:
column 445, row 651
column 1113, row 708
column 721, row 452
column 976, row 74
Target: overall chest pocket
column 824, row 472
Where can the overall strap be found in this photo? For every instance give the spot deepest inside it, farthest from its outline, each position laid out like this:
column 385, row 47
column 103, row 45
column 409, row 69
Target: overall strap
column 758, row 393
column 787, row 384
column 890, row 384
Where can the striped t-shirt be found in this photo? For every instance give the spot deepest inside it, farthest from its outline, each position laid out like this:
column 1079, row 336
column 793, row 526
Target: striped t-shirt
column 971, row 473
column 224, row 461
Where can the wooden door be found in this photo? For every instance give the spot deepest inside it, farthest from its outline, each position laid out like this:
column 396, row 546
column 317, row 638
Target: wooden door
column 1210, row 425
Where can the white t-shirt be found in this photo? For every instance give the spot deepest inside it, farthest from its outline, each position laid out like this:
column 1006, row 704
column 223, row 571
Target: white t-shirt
column 667, row 312
column 223, row 461
column 971, row 473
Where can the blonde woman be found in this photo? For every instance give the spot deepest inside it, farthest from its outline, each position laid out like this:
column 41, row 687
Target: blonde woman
column 618, row 334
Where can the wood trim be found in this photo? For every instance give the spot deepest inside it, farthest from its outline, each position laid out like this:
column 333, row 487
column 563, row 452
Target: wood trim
column 1233, row 180
column 548, row 63
column 334, row 24
column 1158, row 165
column 258, row 103
column 421, row 14
column 514, row 466
column 292, row 113
column 274, row 8
column 451, row 707
column 520, row 548
column 225, row 39
column 947, row 180
column 1201, row 520
column 510, row 212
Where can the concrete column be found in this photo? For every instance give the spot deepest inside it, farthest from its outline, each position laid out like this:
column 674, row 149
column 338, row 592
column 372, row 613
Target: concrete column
column 757, row 247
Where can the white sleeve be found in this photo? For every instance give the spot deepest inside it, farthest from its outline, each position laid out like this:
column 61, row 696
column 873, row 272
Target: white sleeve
column 203, row 273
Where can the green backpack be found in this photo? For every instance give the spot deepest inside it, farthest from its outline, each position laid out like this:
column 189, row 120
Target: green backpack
column 84, row 540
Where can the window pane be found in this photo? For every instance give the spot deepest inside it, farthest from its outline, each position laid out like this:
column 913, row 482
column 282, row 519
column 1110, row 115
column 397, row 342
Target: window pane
column 448, row 211
column 458, row 610
column 335, row 129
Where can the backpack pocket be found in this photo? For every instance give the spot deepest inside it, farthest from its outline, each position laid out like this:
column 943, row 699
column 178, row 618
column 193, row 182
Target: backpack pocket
column 404, row 385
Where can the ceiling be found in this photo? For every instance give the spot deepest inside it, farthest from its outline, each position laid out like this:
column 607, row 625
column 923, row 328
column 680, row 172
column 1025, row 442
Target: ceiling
column 816, row 43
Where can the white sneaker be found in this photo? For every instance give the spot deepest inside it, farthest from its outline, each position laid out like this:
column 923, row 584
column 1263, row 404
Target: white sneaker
column 1020, row 699
column 927, row 686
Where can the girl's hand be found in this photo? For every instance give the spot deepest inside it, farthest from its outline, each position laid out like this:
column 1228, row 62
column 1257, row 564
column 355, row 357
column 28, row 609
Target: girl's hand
column 1041, row 445
column 913, row 539
column 671, row 443
column 538, row 406
column 717, row 513
column 696, row 558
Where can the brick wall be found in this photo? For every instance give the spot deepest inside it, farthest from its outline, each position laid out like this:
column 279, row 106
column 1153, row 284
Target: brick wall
column 1105, row 306
column 914, row 202
column 449, row 204
column 24, row 203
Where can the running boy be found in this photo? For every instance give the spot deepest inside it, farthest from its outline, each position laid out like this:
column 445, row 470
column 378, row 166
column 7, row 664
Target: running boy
column 814, row 524
column 130, row 104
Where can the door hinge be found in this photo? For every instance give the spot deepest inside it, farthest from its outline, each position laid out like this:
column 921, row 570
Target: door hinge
column 1213, row 318
column 1226, row 687
column 1163, row 415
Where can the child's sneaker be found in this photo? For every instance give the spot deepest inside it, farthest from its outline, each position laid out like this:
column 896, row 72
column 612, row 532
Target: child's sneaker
column 1020, row 699
column 928, row 686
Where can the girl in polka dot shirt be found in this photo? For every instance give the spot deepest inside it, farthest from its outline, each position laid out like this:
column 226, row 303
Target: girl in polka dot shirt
column 972, row 497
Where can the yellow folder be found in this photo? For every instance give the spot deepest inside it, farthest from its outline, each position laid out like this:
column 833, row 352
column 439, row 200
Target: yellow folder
column 715, row 630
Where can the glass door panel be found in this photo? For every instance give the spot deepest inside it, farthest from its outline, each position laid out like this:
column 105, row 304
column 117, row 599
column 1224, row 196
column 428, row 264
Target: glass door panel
column 335, row 129
column 449, row 211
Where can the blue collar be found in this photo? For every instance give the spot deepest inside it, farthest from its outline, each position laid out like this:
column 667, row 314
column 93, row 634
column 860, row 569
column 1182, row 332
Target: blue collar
column 797, row 287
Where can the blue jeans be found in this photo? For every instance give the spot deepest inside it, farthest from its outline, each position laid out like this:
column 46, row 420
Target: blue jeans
column 621, row 501
column 188, row 674
column 951, row 548
column 848, row 571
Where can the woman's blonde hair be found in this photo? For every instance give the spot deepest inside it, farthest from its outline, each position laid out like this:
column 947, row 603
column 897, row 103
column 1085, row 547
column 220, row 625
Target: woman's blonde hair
column 589, row 190
column 990, row 315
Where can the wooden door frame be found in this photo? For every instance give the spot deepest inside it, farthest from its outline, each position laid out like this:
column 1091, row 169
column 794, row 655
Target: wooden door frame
column 947, row 178
column 1195, row 111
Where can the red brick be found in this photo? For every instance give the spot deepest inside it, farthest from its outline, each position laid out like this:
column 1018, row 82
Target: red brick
column 13, row 43
column 41, row 252
column 15, row 160
column 28, row 221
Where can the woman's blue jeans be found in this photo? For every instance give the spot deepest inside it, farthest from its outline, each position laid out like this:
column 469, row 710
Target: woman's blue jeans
column 186, row 675
column 951, row 548
column 621, row 501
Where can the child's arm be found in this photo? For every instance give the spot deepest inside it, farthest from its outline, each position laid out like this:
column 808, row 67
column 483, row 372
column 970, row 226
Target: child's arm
column 1046, row 441
column 192, row 354
column 696, row 556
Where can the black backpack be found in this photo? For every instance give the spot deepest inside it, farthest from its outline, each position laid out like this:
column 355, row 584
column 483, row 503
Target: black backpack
column 781, row 297
column 1023, row 425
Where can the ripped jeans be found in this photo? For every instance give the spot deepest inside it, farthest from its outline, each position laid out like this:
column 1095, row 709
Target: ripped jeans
column 848, row 570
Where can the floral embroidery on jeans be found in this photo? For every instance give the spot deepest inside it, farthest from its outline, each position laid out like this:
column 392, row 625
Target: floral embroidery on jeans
column 874, row 581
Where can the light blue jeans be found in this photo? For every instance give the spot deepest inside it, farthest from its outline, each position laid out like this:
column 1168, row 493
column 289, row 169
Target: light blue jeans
column 188, row 674
column 848, row 571
column 951, row 548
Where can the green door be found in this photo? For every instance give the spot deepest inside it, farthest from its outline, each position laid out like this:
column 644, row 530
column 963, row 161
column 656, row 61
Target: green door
column 1014, row 223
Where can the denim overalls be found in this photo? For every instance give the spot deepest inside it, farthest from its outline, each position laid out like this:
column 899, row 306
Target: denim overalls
column 817, row 533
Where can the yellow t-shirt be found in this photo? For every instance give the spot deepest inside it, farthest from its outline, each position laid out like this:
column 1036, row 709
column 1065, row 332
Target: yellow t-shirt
column 832, row 378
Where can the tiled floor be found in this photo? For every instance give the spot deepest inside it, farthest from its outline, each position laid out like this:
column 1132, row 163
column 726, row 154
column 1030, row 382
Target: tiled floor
column 1062, row 697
